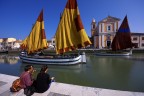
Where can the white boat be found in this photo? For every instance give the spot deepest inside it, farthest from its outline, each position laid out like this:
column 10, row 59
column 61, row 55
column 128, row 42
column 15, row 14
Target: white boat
column 57, row 60
column 128, row 53
column 121, row 41
column 70, row 35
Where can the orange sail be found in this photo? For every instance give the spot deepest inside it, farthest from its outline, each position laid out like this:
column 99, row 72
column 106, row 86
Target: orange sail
column 70, row 34
column 36, row 40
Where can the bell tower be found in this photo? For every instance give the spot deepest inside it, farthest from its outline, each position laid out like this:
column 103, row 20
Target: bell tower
column 93, row 27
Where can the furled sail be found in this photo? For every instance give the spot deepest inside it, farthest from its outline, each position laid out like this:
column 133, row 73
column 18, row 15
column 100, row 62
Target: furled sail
column 70, row 34
column 122, row 39
column 36, row 40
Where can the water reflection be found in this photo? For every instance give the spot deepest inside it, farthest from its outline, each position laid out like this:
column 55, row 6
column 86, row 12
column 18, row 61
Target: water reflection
column 55, row 67
column 137, row 57
column 55, row 70
column 8, row 59
column 119, row 73
column 136, row 76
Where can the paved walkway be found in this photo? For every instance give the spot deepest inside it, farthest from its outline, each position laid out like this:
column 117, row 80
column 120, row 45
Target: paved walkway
column 61, row 89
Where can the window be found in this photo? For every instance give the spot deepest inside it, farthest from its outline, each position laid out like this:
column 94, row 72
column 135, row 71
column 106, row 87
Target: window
column 142, row 44
column 135, row 45
column 142, row 38
column 108, row 28
column 135, row 38
column 93, row 26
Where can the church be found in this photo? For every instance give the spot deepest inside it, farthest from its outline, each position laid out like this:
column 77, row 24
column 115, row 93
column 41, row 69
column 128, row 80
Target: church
column 103, row 32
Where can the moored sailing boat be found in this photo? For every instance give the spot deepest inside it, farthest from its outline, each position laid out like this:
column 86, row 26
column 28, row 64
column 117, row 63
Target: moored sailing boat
column 70, row 35
column 121, row 41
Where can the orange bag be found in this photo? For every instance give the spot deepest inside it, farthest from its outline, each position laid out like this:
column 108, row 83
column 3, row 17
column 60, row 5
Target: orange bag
column 15, row 86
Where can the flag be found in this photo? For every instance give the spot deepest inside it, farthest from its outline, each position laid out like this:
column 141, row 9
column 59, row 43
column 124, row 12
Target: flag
column 122, row 40
column 70, row 34
column 36, row 40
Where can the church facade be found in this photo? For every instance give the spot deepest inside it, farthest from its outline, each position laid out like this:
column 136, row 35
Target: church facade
column 104, row 32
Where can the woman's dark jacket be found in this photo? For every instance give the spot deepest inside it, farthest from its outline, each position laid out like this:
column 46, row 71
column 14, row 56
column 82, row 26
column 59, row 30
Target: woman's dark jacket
column 42, row 82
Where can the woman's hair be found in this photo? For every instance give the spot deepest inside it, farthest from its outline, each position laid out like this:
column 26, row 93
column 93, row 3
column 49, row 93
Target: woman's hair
column 44, row 68
column 27, row 67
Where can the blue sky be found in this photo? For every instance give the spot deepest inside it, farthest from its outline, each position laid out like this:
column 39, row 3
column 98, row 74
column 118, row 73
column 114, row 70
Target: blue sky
column 17, row 16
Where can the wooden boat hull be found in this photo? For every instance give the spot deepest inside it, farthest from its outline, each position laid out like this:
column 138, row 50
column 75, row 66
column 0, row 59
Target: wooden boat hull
column 53, row 61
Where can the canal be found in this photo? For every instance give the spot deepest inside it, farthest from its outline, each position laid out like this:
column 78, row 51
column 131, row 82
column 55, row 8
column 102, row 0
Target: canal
column 119, row 73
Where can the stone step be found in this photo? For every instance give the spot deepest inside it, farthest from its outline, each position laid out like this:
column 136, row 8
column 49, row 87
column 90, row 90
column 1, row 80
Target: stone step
column 62, row 89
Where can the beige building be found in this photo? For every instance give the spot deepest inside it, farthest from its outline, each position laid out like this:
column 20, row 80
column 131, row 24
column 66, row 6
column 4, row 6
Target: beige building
column 138, row 39
column 103, row 33
column 6, row 43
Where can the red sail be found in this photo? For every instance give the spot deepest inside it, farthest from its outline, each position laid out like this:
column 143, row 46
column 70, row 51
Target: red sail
column 122, row 39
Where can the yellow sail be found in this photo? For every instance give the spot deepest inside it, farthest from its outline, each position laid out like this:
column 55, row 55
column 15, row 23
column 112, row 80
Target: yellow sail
column 36, row 40
column 70, row 34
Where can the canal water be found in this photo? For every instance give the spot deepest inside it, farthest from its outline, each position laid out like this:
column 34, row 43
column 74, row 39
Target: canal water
column 119, row 73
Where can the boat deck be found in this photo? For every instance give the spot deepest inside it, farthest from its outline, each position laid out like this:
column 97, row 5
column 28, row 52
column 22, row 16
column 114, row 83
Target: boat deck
column 61, row 89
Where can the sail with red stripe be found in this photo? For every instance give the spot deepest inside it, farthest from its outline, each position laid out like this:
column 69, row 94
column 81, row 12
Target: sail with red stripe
column 70, row 34
column 36, row 40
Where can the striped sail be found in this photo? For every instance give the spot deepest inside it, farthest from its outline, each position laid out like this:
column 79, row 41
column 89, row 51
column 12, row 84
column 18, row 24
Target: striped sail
column 36, row 40
column 70, row 34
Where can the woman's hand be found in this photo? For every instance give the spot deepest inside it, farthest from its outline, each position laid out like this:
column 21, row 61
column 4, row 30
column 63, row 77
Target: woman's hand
column 52, row 78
